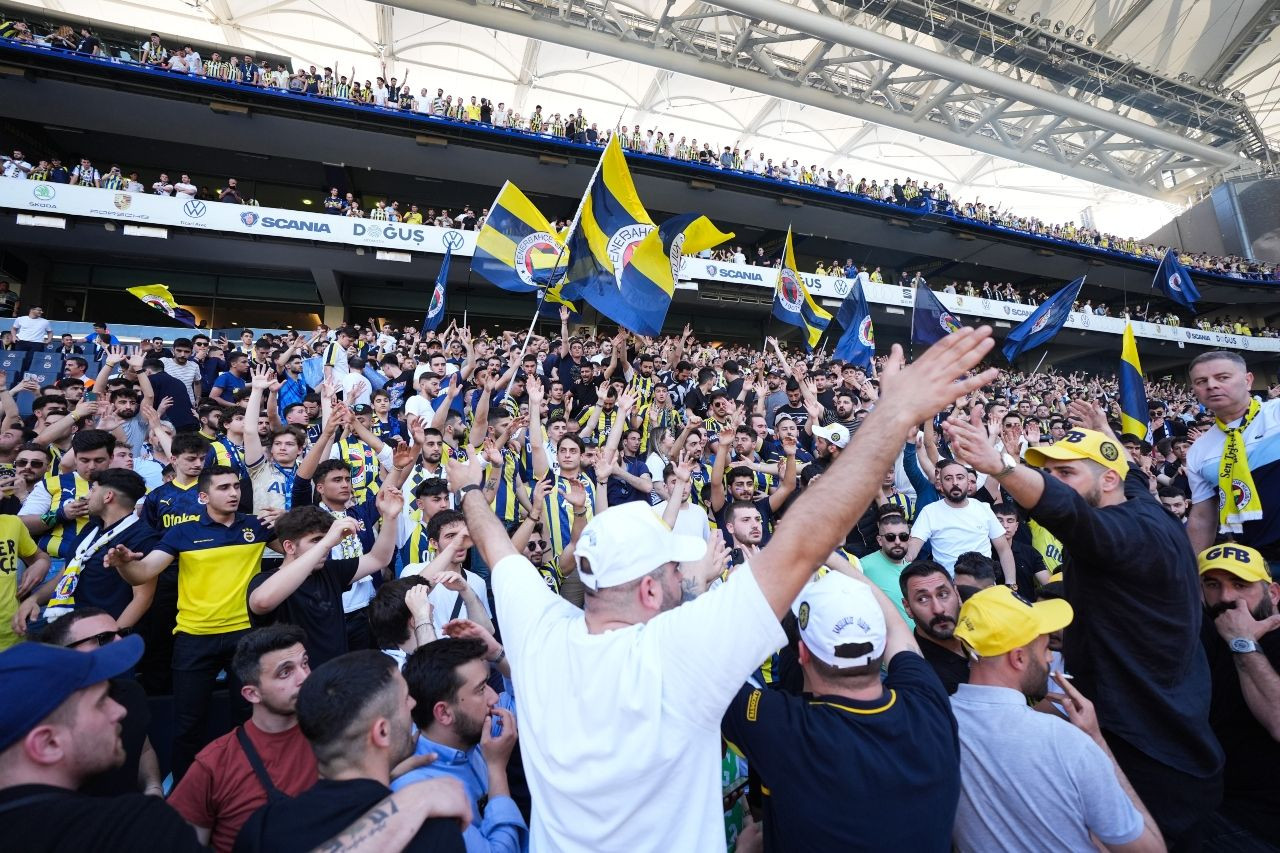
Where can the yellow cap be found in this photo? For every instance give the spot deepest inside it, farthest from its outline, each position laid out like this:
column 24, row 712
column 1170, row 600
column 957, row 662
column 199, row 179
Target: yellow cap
column 1240, row 560
column 996, row 620
column 1082, row 444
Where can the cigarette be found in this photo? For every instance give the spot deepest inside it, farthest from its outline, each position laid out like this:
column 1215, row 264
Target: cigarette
column 1065, row 675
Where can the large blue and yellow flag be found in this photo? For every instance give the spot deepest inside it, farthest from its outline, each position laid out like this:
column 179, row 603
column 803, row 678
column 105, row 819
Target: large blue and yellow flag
column 792, row 302
column 159, row 298
column 858, row 343
column 517, row 248
column 1134, row 415
column 1044, row 323
column 930, row 319
column 619, row 261
column 435, row 308
column 1175, row 282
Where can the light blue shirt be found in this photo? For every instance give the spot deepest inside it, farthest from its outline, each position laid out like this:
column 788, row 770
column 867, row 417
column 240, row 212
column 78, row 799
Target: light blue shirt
column 501, row 829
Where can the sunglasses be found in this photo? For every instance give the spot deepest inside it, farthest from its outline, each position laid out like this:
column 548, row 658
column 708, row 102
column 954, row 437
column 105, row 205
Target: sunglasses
column 100, row 640
column 535, row 545
column 28, row 463
column 895, row 537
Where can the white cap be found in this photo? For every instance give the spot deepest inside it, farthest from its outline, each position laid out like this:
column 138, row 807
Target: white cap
column 834, row 433
column 627, row 542
column 840, row 621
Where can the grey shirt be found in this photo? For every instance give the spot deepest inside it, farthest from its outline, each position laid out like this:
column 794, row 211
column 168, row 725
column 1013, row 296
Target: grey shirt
column 1061, row 785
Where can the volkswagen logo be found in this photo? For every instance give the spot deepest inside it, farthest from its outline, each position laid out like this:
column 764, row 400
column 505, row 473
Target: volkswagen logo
column 249, row 218
column 453, row 240
column 194, row 208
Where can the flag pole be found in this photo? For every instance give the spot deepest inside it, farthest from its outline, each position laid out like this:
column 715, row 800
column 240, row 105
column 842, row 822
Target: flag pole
column 555, row 268
column 1040, row 362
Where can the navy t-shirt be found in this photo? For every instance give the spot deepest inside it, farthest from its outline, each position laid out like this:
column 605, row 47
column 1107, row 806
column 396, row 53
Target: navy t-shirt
column 100, row 586
column 881, row 774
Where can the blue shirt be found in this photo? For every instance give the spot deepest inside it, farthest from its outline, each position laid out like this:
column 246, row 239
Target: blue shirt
column 501, row 827
column 231, row 386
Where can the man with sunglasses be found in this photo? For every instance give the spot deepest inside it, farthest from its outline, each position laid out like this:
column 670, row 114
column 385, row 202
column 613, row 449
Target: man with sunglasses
column 883, row 567
column 30, row 464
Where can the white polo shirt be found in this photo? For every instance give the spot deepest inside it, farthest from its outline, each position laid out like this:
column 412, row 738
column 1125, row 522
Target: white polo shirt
column 622, row 750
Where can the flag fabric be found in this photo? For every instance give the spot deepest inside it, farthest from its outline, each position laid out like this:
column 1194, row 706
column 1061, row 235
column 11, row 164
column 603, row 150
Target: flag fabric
column 435, row 308
column 930, row 320
column 858, row 343
column 159, row 298
column 1134, row 415
column 517, row 248
column 792, row 302
column 1044, row 323
column 648, row 282
column 610, row 239
column 1175, row 282
column 549, row 306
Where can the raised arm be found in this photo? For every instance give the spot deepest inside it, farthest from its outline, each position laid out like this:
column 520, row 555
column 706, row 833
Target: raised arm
column 260, row 380
column 835, row 501
column 788, row 484
column 285, row 581
column 389, row 502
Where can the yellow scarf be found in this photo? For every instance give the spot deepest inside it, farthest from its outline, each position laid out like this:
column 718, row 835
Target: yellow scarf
column 1238, row 499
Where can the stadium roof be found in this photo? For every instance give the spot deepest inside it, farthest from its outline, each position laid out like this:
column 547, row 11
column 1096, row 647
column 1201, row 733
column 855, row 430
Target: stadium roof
column 1048, row 108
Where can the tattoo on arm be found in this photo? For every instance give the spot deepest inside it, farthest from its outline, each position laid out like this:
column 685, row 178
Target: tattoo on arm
column 368, row 826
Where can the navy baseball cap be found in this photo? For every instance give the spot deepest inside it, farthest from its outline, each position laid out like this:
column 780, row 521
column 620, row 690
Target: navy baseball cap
column 37, row 678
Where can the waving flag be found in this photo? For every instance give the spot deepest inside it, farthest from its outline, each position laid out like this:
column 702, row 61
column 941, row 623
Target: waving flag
column 1134, row 415
column 609, row 239
column 858, row 343
column 435, row 308
column 1044, row 322
column 1175, row 282
column 930, row 320
column 159, row 298
column 517, row 248
column 792, row 302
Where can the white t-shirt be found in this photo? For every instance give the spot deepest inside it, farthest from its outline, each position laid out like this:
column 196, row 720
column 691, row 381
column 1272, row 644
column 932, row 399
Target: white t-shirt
column 419, row 406
column 348, row 381
column 182, row 190
column 15, row 169
column 622, row 749
column 692, row 520
column 952, row 531
column 31, row 329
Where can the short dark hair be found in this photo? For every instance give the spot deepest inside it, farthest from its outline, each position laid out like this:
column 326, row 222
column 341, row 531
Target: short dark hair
column 1005, row 508
column 188, row 442
column 246, row 663
column 88, row 440
column 124, row 394
column 129, row 484
column 327, row 467
column 978, row 566
column 302, row 521
column 570, row 437
column 1170, row 492
column 921, row 569
column 432, row 673
column 430, row 488
column 440, row 520
column 58, row 632
column 388, row 615
column 737, row 505
column 182, row 342
column 338, row 695
column 207, row 475
column 740, row 471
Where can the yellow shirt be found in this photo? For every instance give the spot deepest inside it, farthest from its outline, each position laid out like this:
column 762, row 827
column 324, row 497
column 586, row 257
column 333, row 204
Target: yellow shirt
column 15, row 543
column 215, row 564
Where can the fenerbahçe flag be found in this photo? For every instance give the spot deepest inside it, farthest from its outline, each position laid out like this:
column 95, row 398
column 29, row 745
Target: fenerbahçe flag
column 1134, row 415
column 1045, row 322
column 619, row 262
column 858, row 343
column 1175, row 282
column 159, row 298
column 930, row 319
column 792, row 302
column 435, row 308
column 517, row 248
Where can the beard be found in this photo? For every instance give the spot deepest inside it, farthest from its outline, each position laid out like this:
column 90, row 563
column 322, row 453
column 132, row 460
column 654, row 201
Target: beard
column 1264, row 609
column 469, row 730
column 941, row 627
column 1035, row 683
column 957, row 493
column 895, row 552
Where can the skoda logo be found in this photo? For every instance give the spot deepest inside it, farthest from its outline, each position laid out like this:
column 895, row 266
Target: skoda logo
column 44, row 192
column 249, row 218
column 453, row 240
column 194, row 209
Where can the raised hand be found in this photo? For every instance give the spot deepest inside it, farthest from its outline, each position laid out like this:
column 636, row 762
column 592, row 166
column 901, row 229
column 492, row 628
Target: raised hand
column 464, row 472
column 932, row 381
column 402, row 455
column 261, row 378
column 390, row 501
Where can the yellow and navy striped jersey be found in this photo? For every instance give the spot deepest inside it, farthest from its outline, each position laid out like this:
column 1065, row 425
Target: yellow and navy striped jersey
column 603, row 424
column 363, row 463
column 641, row 386
column 171, row 504
column 668, row 418
column 506, row 504
column 64, row 538
column 215, row 564
column 558, row 514
column 906, row 503
column 223, row 451
column 416, row 548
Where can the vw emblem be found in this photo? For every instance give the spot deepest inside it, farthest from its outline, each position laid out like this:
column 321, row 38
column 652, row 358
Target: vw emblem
column 453, row 240
column 194, row 208
column 249, row 218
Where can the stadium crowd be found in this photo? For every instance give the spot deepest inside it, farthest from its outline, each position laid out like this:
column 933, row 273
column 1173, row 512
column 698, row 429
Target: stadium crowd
column 601, row 592
column 390, row 92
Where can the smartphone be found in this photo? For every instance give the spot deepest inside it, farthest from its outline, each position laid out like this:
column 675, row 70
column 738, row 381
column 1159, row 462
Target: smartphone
column 31, row 377
column 497, row 726
column 90, row 397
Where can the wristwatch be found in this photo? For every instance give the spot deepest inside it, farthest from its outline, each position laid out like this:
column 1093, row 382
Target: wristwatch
column 1242, row 645
column 462, row 493
column 1009, row 464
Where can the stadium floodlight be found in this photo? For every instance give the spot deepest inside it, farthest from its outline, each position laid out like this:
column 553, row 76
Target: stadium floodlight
column 1011, row 7
column 1070, row 32
column 1035, row 17
column 1057, row 26
column 1091, row 39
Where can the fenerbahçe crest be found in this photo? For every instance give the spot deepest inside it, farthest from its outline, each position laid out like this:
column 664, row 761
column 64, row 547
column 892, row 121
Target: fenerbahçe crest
column 948, row 322
column 789, row 290
column 622, row 245
column 866, row 332
column 437, row 301
column 1240, row 495
column 538, row 246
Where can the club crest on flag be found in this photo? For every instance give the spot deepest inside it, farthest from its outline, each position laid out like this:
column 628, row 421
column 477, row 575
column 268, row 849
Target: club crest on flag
column 789, row 290
column 622, row 245
column 437, row 301
column 1041, row 323
column 158, row 302
column 949, row 322
column 539, row 245
column 1175, row 282
column 866, row 332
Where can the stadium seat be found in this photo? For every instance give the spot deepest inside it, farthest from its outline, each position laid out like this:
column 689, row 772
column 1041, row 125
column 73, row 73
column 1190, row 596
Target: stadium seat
column 13, row 360
column 46, row 362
